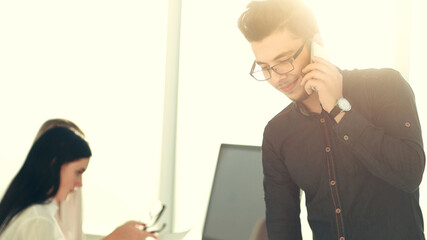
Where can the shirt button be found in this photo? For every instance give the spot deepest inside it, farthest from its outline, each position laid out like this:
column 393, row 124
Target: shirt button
column 346, row 137
column 338, row 211
column 327, row 149
column 407, row 124
column 332, row 182
column 322, row 120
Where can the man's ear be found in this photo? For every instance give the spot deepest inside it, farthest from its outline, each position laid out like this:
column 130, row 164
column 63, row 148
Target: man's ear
column 317, row 38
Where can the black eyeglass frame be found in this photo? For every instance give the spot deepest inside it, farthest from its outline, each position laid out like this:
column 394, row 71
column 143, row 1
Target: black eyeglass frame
column 291, row 61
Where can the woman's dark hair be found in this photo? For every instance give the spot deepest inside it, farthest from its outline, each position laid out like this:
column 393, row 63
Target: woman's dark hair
column 262, row 18
column 39, row 178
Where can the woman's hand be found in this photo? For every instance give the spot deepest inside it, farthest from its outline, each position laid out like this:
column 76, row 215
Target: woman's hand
column 131, row 230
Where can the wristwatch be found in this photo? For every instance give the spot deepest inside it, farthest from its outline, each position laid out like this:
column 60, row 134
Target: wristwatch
column 342, row 106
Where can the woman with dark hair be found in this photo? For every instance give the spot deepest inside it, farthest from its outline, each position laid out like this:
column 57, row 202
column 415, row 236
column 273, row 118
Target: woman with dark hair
column 51, row 171
column 70, row 212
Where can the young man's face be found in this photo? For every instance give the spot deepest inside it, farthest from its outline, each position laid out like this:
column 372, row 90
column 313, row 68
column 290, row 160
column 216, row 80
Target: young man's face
column 277, row 47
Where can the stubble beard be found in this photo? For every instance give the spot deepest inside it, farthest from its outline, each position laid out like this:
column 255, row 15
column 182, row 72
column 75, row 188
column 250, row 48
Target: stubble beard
column 302, row 97
column 299, row 97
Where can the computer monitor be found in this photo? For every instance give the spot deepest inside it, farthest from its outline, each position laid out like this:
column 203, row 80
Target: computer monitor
column 236, row 208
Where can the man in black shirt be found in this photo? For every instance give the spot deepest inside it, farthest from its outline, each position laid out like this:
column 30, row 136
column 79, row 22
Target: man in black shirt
column 351, row 140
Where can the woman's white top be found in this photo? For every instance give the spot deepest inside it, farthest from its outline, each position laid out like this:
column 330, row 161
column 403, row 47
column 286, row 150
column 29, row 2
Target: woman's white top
column 37, row 222
column 70, row 216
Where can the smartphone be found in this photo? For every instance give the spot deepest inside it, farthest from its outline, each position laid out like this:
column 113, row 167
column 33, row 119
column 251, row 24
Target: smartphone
column 319, row 51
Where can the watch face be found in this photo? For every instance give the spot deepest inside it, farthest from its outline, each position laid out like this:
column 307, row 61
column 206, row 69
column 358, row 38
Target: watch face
column 344, row 104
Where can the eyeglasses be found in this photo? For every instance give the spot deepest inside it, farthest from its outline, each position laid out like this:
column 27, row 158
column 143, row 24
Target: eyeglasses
column 155, row 213
column 282, row 68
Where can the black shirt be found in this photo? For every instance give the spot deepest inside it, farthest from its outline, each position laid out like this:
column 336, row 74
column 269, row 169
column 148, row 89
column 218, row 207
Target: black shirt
column 360, row 176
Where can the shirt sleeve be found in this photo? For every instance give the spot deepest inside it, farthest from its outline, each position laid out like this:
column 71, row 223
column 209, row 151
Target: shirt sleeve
column 40, row 229
column 282, row 196
column 389, row 144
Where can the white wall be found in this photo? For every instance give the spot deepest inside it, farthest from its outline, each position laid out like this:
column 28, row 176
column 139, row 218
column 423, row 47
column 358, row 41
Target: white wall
column 218, row 101
column 100, row 64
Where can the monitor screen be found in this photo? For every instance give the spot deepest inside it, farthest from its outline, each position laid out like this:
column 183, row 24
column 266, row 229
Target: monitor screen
column 236, row 207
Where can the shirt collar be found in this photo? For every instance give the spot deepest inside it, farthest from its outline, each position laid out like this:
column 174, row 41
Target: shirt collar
column 302, row 109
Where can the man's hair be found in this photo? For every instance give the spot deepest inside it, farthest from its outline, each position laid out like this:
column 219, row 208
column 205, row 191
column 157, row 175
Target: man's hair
column 263, row 18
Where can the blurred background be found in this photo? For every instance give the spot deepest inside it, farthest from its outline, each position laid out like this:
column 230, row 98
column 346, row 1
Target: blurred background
column 157, row 86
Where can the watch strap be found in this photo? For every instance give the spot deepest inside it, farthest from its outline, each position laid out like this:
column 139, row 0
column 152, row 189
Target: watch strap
column 335, row 111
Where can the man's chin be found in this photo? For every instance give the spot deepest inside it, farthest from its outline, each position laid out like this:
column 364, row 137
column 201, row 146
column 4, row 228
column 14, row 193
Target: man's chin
column 298, row 97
